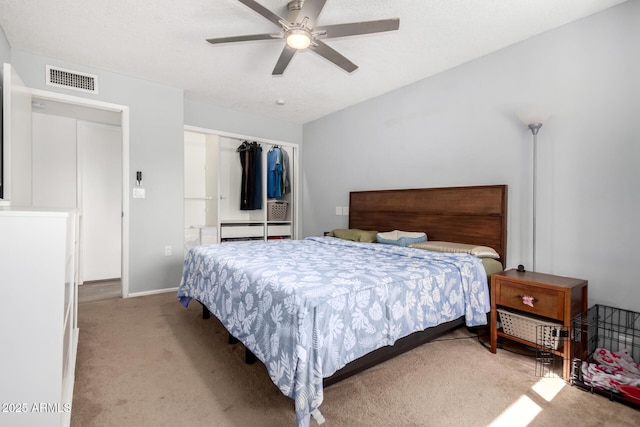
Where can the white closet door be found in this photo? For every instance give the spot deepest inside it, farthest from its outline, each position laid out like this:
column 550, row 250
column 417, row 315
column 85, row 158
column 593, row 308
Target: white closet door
column 100, row 151
column 54, row 161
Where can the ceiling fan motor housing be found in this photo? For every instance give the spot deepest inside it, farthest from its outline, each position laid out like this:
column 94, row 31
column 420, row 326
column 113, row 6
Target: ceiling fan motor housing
column 295, row 5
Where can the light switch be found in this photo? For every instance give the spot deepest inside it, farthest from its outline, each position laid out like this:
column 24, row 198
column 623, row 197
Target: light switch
column 138, row 193
column 345, row 210
column 338, row 210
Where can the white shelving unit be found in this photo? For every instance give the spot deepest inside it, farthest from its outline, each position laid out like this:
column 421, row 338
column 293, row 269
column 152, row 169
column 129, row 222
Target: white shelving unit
column 209, row 208
column 252, row 224
column 38, row 316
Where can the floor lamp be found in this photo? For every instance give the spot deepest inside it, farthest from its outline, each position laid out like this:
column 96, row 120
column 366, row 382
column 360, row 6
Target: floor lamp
column 533, row 117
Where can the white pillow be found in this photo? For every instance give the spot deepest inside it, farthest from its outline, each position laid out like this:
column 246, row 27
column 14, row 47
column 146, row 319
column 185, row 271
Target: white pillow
column 479, row 251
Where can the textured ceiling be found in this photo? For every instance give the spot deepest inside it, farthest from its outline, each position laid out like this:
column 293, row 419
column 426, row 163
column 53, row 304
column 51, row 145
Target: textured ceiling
column 164, row 41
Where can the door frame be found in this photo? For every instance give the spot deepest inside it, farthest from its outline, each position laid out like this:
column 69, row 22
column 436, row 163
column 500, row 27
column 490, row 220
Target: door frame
column 124, row 113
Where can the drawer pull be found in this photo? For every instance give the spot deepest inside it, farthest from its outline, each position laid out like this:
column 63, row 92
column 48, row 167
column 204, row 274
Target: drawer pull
column 527, row 299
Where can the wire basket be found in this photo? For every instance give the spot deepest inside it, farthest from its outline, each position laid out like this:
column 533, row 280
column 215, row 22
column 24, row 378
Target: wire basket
column 277, row 210
column 541, row 332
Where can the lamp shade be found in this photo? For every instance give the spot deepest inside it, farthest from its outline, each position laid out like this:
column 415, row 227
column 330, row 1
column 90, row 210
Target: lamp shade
column 533, row 114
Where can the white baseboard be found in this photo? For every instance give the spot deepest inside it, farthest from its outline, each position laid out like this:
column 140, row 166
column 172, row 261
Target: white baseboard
column 154, row 292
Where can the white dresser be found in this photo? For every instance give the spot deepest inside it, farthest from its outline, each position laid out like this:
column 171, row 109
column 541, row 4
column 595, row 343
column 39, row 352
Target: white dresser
column 38, row 315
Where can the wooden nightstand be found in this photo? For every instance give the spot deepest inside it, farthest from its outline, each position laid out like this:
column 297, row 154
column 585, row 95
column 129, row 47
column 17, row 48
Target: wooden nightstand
column 552, row 297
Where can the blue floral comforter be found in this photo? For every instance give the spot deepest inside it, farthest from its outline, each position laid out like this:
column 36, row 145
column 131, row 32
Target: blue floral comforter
column 308, row 307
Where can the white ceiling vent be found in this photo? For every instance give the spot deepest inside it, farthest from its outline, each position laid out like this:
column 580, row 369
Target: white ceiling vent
column 74, row 80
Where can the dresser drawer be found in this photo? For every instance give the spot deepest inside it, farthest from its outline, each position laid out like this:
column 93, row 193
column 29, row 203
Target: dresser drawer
column 241, row 231
column 278, row 230
column 546, row 302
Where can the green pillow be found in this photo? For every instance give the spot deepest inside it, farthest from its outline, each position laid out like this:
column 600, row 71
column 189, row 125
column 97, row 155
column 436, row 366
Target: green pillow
column 354, row 235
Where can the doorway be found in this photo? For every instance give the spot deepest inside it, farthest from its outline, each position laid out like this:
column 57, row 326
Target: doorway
column 80, row 159
column 77, row 164
column 19, row 105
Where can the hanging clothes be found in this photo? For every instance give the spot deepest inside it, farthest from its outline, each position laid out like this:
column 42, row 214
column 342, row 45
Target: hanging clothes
column 286, row 184
column 278, row 183
column 257, row 200
column 274, row 172
column 250, row 160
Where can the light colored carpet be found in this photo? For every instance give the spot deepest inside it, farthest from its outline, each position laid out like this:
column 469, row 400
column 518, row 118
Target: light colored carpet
column 148, row 361
column 99, row 290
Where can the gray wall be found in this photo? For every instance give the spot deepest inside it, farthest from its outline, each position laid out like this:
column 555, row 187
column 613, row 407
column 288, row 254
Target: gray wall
column 209, row 116
column 460, row 128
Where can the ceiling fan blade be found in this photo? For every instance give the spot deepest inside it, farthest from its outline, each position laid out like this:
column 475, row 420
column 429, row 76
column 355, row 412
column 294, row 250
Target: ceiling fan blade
column 311, row 10
column 250, row 37
column 257, row 7
column 332, row 55
column 283, row 61
column 356, row 28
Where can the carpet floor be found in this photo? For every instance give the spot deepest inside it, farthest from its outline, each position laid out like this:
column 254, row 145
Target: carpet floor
column 148, row 361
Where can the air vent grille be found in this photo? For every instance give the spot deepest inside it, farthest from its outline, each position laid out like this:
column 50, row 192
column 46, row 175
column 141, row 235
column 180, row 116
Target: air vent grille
column 74, row 80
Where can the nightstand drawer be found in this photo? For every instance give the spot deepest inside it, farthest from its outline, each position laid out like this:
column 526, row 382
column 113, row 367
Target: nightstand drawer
column 546, row 302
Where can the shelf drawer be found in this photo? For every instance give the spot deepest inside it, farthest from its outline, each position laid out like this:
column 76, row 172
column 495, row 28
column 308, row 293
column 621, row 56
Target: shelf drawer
column 546, row 302
column 240, row 231
column 278, row 230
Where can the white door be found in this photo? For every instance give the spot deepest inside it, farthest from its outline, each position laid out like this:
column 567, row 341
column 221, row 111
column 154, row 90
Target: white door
column 100, row 190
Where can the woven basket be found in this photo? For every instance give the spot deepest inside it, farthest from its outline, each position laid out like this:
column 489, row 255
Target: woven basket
column 541, row 332
column 277, row 210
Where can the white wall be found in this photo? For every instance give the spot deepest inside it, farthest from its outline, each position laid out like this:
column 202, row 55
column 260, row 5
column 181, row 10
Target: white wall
column 461, row 128
column 5, row 56
column 200, row 179
column 5, row 48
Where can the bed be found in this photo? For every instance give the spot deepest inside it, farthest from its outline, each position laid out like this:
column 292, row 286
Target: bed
column 317, row 310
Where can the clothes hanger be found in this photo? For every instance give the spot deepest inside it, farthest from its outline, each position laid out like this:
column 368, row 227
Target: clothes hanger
column 243, row 147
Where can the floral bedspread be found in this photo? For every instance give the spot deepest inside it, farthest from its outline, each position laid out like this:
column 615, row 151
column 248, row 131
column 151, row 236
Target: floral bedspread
column 308, row 307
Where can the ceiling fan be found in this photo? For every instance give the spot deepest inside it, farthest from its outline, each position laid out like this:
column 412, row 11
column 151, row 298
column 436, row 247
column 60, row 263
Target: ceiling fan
column 300, row 32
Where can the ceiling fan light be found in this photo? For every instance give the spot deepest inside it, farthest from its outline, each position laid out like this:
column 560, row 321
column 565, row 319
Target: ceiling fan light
column 298, row 39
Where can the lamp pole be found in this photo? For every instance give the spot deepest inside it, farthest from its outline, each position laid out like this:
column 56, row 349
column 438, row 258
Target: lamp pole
column 534, row 127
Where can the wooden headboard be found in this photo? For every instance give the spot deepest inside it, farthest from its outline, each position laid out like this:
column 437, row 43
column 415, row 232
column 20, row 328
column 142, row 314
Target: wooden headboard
column 475, row 215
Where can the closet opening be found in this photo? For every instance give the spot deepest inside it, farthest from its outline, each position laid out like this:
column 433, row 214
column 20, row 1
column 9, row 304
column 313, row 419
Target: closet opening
column 238, row 188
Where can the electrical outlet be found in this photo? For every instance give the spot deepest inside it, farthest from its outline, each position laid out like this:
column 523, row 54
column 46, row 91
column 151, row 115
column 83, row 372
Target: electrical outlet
column 168, row 250
column 138, row 193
